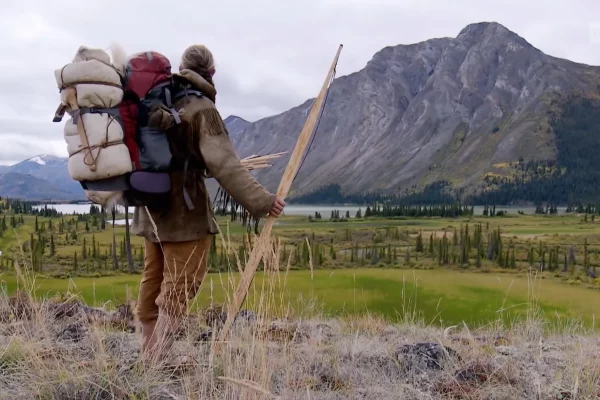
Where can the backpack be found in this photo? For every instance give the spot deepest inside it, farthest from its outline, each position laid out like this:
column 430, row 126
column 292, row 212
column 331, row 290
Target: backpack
column 117, row 137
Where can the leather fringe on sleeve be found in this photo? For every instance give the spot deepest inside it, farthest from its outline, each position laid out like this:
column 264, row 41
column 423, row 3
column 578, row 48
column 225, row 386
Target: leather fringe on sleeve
column 211, row 122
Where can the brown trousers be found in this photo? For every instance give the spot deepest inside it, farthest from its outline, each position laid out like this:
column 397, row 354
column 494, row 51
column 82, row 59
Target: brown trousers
column 173, row 272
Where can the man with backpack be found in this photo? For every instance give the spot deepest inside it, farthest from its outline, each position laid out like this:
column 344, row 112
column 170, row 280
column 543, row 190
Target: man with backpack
column 178, row 233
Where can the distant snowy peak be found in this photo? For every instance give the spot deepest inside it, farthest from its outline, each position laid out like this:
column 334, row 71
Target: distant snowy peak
column 49, row 168
column 38, row 160
column 45, row 159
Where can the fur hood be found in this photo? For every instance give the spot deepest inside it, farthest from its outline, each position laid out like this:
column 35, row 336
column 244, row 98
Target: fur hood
column 198, row 82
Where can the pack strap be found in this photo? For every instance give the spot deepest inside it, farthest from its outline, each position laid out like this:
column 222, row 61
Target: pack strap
column 66, row 85
column 168, row 98
column 112, row 184
column 186, row 195
column 182, row 93
column 95, row 110
column 186, row 92
column 169, row 104
column 176, row 116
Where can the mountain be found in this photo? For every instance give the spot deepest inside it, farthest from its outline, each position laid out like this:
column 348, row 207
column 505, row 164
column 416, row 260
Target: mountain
column 484, row 116
column 28, row 187
column 235, row 125
column 453, row 110
column 50, row 168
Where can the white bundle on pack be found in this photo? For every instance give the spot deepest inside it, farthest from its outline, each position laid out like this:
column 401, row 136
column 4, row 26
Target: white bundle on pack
column 94, row 137
column 104, row 83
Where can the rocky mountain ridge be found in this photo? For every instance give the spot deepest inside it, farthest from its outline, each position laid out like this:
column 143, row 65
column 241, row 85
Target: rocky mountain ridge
column 450, row 109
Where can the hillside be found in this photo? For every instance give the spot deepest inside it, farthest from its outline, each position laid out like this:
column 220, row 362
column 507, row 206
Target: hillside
column 50, row 168
column 447, row 109
column 28, row 187
column 235, row 125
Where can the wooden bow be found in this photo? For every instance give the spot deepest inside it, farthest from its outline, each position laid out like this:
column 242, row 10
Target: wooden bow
column 284, row 186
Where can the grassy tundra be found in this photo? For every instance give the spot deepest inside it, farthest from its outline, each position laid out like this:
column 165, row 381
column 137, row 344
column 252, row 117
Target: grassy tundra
column 438, row 267
column 404, row 308
column 57, row 347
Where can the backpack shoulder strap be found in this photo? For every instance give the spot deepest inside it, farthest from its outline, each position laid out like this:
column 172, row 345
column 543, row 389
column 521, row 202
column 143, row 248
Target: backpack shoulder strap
column 185, row 92
column 184, row 88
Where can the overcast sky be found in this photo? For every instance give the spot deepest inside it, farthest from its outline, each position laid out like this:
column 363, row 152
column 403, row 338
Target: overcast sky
column 271, row 55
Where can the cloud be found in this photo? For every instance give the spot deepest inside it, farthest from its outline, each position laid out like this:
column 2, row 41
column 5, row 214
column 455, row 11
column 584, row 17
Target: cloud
column 271, row 55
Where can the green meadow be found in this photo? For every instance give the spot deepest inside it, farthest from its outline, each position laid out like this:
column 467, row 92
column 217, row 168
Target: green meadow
column 440, row 297
column 472, row 269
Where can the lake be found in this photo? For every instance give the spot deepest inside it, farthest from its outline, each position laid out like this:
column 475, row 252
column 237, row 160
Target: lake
column 290, row 210
column 294, row 209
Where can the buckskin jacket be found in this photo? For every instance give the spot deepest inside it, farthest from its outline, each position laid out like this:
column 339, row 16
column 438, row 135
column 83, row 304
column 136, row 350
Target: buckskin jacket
column 202, row 138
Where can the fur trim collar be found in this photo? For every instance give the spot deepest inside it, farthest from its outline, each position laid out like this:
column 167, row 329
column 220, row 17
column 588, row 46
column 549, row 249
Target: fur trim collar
column 198, row 82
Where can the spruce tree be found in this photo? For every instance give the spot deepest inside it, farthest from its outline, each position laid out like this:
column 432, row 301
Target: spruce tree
column 513, row 261
column 543, row 261
column 419, row 243
column 446, row 250
column 36, row 224
column 52, row 246
column 478, row 257
column 464, row 249
column 114, row 251
column 531, row 256
column 586, row 262
column 320, row 258
column 490, row 249
column 500, row 259
column 467, row 238
column 572, row 260
column 431, row 251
